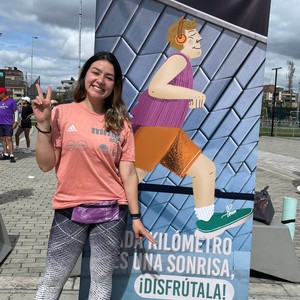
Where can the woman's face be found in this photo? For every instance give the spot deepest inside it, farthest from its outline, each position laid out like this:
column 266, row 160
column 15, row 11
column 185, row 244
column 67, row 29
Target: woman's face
column 192, row 46
column 100, row 79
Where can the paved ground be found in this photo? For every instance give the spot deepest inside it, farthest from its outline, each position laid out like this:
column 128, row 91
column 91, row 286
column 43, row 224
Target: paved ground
column 25, row 207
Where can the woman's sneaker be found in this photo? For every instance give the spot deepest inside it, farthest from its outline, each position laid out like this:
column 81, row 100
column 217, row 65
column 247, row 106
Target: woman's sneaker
column 27, row 151
column 17, row 149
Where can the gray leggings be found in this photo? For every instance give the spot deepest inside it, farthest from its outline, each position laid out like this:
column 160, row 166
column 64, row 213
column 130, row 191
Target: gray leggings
column 66, row 242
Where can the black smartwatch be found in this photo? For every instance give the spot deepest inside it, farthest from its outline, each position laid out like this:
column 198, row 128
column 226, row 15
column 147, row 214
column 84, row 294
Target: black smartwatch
column 135, row 216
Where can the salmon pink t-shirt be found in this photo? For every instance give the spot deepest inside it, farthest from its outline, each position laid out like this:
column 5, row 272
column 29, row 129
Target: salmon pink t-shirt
column 88, row 170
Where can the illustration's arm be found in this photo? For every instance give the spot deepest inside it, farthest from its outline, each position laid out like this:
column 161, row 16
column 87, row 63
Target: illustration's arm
column 159, row 86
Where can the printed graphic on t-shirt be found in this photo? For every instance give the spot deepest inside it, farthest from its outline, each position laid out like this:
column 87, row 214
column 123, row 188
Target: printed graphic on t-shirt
column 71, row 145
column 81, row 145
column 113, row 139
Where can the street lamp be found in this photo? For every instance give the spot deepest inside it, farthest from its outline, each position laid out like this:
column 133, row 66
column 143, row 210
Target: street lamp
column 79, row 46
column 32, row 39
column 298, row 99
column 274, row 98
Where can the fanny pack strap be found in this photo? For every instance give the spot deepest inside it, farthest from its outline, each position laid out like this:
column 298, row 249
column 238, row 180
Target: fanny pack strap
column 98, row 206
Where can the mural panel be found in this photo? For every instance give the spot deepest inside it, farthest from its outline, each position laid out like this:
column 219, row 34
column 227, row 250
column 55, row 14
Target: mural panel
column 193, row 85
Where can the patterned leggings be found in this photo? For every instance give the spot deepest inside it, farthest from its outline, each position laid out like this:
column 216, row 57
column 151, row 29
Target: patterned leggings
column 66, row 242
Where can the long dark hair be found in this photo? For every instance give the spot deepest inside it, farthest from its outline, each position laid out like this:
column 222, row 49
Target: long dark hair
column 114, row 107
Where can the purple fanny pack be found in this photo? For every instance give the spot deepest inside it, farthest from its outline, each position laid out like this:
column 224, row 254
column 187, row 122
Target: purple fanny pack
column 100, row 212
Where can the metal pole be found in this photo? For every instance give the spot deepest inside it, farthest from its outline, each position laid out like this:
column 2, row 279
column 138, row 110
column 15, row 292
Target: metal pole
column 273, row 100
column 79, row 48
column 32, row 38
column 298, row 99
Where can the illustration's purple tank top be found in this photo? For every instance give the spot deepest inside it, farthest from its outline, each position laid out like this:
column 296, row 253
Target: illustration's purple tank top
column 150, row 111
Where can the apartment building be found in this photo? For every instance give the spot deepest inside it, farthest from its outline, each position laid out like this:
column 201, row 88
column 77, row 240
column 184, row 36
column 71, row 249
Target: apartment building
column 14, row 81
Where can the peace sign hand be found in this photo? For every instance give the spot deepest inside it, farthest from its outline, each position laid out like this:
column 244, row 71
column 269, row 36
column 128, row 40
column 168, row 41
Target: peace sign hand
column 41, row 106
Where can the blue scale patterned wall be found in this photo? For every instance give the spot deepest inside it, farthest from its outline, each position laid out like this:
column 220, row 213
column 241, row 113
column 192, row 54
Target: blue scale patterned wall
column 229, row 72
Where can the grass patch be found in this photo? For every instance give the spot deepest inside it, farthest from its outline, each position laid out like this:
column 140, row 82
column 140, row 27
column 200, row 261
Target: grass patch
column 280, row 131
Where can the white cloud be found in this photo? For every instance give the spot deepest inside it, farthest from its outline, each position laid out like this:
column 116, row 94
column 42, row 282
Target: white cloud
column 56, row 51
column 283, row 42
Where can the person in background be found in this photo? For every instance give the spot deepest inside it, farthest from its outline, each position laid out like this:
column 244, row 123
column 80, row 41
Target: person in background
column 92, row 139
column 8, row 122
column 25, row 125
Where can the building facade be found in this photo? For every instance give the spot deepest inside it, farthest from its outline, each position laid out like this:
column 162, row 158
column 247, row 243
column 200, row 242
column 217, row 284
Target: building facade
column 14, row 81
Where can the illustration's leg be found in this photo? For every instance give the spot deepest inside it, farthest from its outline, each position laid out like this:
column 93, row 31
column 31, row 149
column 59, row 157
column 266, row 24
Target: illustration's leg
column 203, row 173
column 183, row 157
column 211, row 224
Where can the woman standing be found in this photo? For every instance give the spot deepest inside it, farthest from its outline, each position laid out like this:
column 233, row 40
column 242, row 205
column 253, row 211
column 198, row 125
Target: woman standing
column 25, row 125
column 90, row 143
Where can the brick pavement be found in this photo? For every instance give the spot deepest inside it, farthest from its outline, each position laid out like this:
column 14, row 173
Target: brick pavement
column 25, row 206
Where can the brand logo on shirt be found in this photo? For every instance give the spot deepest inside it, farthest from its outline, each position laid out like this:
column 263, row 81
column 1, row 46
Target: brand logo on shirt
column 71, row 128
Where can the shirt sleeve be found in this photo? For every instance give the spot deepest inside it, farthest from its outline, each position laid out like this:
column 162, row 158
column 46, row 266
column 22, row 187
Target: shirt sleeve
column 14, row 105
column 55, row 125
column 16, row 116
column 128, row 148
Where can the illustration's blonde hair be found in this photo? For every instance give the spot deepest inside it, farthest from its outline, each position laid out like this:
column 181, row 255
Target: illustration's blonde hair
column 178, row 29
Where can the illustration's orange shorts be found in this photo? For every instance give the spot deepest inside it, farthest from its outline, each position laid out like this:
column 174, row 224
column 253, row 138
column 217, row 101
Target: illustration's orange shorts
column 168, row 146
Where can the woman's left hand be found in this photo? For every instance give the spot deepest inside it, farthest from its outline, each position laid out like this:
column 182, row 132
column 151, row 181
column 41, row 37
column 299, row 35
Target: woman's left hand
column 141, row 232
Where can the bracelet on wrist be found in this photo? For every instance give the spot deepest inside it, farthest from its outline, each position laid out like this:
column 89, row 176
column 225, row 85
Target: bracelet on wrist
column 135, row 216
column 42, row 131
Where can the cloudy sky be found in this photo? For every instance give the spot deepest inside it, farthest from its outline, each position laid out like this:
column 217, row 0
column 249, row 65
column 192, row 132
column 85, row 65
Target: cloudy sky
column 283, row 42
column 55, row 23
column 56, row 49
